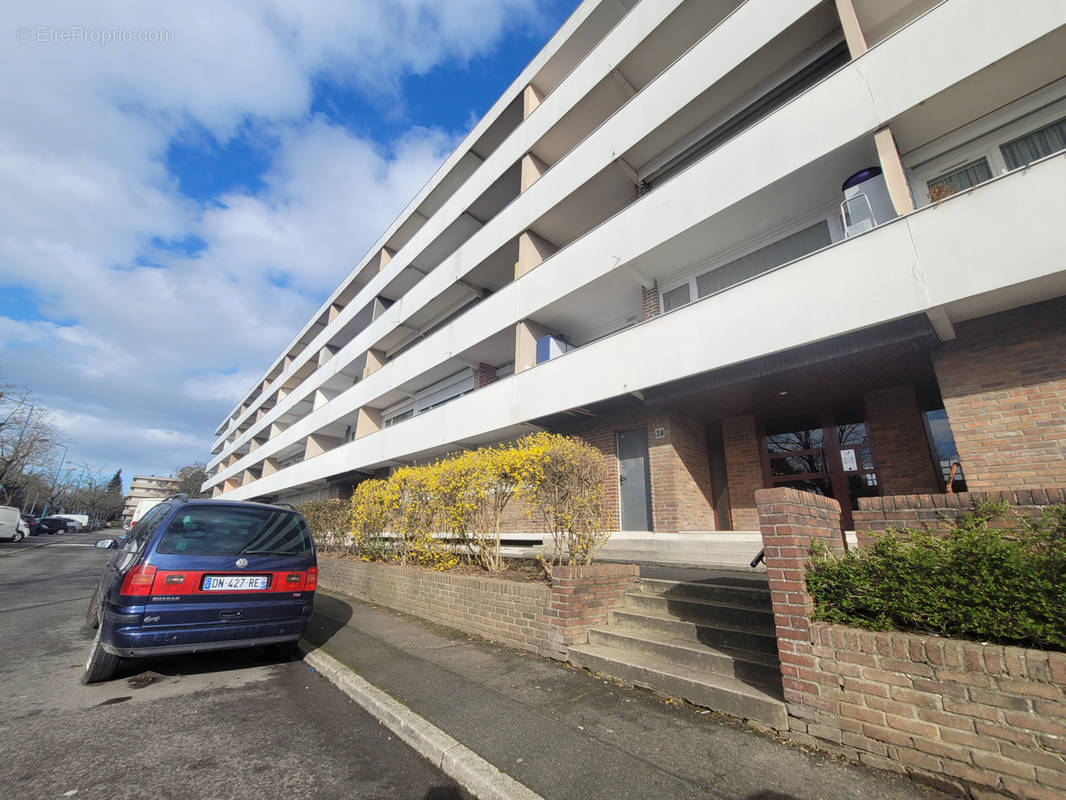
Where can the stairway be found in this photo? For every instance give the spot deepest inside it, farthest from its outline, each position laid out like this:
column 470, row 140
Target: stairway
column 709, row 641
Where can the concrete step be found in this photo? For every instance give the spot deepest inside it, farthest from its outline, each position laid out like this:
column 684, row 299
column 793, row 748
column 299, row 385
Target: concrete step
column 753, row 593
column 694, row 610
column 759, row 669
column 716, row 634
column 717, row 692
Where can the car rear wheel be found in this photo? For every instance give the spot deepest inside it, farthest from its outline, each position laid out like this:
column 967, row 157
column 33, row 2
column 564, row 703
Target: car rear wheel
column 92, row 616
column 101, row 665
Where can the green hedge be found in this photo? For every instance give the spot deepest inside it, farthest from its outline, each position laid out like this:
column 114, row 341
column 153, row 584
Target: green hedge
column 1005, row 585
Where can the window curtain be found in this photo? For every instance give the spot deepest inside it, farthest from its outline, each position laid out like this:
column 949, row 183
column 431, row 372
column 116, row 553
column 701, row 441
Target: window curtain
column 964, row 177
column 774, row 255
column 1043, row 142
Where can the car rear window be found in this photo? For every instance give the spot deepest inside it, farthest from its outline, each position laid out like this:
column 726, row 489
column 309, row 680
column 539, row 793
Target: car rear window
column 231, row 531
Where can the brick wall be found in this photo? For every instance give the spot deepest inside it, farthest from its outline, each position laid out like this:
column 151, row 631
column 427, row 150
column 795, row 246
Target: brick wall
column 536, row 617
column 681, row 496
column 581, row 598
column 936, row 512
column 962, row 715
column 484, row 375
column 1003, row 381
column 982, row 720
column 743, row 468
column 901, row 447
column 649, row 300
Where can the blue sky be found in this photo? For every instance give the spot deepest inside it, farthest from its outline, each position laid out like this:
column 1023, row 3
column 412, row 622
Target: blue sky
column 175, row 209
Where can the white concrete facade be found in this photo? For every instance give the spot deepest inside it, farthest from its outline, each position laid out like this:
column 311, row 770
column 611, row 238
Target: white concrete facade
column 658, row 144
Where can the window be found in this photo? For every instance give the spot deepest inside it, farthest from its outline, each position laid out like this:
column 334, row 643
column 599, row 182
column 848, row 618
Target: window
column 1035, row 145
column 789, row 248
column 764, row 259
column 432, row 396
column 1029, row 129
column 230, row 531
column 291, row 461
column 390, row 421
column 675, row 298
column 960, row 179
column 145, row 528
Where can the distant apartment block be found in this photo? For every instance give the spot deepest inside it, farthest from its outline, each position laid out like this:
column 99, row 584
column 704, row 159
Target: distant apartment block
column 735, row 245
column 147, row 487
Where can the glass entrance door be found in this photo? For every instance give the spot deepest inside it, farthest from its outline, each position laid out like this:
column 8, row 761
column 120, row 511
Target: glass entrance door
column 828, row 452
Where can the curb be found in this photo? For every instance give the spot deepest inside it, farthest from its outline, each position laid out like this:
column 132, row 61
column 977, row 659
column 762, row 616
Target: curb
column 455, row 759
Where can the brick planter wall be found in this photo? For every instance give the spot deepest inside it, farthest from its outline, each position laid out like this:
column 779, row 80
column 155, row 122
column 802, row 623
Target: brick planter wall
column 958, row 714
column 537, row 617
column 934, row 512
column 977, row 719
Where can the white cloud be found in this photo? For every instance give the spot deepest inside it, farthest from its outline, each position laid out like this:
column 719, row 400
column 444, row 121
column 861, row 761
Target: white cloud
column 132, row 348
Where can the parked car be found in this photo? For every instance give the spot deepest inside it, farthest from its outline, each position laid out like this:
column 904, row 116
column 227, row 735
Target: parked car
column 31, row 523
column 12, row 528
column 81, row 521
column 54, row 525
column 199, row 575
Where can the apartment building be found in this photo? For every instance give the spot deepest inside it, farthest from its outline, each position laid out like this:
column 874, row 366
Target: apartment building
column 735, row 245
column 147, row 487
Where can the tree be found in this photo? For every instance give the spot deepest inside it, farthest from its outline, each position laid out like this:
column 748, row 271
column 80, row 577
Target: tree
column 191, row 478
column 28, row 441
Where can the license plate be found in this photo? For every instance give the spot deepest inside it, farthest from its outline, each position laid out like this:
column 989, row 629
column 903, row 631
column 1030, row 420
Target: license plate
column 234, row 583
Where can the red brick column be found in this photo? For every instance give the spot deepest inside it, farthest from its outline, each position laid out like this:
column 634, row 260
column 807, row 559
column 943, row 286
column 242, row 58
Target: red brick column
column 581, row 598
column 484, row 375
column 743, row 470
column 790, row 520
column 650, row 305
column 901, row 448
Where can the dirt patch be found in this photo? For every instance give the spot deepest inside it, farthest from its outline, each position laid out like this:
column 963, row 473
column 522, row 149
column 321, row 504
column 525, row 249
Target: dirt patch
column 144, row 679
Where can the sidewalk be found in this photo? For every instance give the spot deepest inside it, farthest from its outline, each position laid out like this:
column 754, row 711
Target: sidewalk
column 567, row 735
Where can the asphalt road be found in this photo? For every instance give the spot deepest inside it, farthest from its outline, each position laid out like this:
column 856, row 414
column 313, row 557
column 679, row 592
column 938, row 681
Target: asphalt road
column 228, row 725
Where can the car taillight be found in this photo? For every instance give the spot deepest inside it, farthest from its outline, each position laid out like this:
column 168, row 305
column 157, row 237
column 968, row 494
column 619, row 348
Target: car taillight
column 174, row 582
column 312, row 579
column 138, row 581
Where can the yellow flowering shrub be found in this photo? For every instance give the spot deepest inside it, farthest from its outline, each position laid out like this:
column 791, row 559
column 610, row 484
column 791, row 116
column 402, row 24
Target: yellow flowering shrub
column 566, row 486
column 371, row 515
column 432, row 514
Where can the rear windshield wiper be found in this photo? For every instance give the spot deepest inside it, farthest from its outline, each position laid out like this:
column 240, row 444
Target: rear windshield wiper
column 247, row 552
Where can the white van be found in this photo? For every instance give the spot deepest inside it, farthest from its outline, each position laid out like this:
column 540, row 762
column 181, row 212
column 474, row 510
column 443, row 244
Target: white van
column 143, row 508
column 12, row 528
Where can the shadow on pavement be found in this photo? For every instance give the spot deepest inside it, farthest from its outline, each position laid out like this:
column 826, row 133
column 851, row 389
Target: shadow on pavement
column 141, row 672
column 330, row 615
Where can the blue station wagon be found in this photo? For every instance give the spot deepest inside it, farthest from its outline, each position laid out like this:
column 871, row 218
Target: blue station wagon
column 200, row 575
